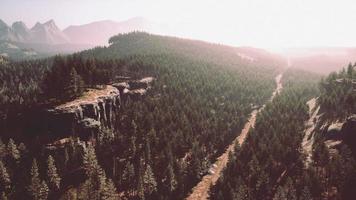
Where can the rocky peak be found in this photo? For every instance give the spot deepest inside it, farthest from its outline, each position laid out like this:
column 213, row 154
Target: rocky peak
column 3, row 25
column 49, row 33
column 21, row 31
column 19, row 25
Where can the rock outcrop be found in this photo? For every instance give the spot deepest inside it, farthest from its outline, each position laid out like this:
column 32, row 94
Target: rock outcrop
column 85, row 115
column 95, row 110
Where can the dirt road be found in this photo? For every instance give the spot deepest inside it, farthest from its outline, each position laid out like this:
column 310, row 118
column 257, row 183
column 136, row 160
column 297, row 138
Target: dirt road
column 201, row 190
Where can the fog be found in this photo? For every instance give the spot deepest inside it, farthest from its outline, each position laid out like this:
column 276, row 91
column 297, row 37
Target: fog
column 272, row 24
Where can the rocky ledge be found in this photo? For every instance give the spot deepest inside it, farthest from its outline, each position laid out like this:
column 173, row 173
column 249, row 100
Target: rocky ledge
column 94, row 110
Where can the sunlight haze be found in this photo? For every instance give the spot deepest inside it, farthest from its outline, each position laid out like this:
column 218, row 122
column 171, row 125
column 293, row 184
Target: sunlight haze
column 268, row 24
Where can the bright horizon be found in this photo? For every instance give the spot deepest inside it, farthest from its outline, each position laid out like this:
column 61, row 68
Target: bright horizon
column 270, row 24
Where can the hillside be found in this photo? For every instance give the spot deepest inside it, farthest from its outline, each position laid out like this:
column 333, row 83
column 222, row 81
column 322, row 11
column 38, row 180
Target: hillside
column 270, row 164
column 200, row 98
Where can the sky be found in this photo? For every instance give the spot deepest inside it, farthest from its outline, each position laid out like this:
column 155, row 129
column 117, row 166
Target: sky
column 259, row 23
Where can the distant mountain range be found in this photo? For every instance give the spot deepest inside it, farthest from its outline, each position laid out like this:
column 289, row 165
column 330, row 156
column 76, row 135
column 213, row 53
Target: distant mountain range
column 96, row 33
column 43, row 39
column 46, row 33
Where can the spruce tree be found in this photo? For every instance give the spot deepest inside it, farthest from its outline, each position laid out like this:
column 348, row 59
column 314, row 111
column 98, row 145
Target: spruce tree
column 90, row 161
column 43, row 191
column 149, row 181
column 171, row 181
column 12, row 150
column 52, row 176
column 35, row 182
column 109, row 192
column 128, row 175
column 3, row 150
column 4, row 178
column 73, row 86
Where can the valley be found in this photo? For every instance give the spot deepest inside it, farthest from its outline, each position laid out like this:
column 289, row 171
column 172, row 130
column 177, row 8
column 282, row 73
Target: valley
column 201, row 191
column 160, row 117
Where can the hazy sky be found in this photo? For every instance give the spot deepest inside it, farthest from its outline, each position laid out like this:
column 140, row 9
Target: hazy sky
column 260, row 23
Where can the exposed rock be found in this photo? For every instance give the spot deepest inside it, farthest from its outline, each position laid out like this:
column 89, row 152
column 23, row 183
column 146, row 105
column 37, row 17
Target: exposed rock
column 309, row 133
column 96, row 109
column 87, row 113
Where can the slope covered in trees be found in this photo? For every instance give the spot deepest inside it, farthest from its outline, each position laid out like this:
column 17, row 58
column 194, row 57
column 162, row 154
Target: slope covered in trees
column 270, row 164
column 338, row 94
column 160, row 145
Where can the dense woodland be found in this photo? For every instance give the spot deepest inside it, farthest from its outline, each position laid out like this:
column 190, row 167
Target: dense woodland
column 269, row 165
column 162, row 145
column 338, row 97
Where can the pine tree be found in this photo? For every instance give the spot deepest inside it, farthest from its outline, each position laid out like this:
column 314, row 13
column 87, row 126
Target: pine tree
column 3, row 151
column 170, row 179
column 73, row 87
column 43, row 191
column 128, row 175
column 90, row 161
column 35, row 184
column 12, row 150
column 140, row 188
column 4, row 178
column 53, row 178
column 109, row 192
column 149, row 181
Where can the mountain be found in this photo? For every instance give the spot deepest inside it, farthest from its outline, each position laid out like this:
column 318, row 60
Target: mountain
column 48, row 33
column 322, row 60
column 22, row 32
column 6, row 33
column 90, row 34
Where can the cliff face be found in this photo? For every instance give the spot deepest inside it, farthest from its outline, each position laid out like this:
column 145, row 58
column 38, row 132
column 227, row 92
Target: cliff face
column 334, row 133
column 341, row 132
column 96, row 109
column 85, row 115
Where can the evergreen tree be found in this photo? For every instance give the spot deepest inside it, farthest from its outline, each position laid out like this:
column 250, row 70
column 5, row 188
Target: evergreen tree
column 110, row 192
column 35, row 182
column 12, row 150
column 149, row 181
column 4, row 178
column 52, row 176
column 3, row 150
column 171, row 181
column 90, row 161
column 74, row 86
column 43, row 192
column 128, row 175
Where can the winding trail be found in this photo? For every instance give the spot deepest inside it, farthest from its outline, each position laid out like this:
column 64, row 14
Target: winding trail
column 201, row 190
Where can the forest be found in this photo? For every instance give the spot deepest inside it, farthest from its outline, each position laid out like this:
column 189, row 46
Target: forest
column 161, row 145
column 270, row 165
